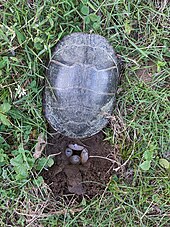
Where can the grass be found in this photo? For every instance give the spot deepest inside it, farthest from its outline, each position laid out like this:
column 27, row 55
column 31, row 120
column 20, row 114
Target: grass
column 138, row 30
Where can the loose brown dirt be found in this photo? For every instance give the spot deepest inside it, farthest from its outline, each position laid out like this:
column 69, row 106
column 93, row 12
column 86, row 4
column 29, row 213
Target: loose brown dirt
column 89, row 179
column 146, row 72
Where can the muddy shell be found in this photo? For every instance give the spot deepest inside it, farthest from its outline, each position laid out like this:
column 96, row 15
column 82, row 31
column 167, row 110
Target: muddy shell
column 81, row 85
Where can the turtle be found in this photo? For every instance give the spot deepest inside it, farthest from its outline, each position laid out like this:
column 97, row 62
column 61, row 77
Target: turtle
column 81, row 84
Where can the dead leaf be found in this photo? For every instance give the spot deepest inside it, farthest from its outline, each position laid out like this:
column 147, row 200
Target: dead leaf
column 39, row 147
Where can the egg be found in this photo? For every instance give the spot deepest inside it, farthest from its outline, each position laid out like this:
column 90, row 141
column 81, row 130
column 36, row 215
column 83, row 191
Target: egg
column 75, row 147
column 84, row 156
column 68, row 152
column 75, row 159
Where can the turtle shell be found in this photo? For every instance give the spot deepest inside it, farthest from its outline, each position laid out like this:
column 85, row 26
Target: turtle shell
column 81, row 84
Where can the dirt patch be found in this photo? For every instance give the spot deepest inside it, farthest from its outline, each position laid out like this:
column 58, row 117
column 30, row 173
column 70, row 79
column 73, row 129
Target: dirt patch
column 145, row 73
column 88, row 179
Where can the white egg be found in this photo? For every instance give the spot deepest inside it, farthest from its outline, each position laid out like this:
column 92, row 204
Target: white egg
column 68, row 152
column 84, row 156
column 75, row 147
column 75, row 159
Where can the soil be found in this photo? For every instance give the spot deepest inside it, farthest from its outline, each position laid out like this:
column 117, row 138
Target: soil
column 146, row 73
column 88, row 179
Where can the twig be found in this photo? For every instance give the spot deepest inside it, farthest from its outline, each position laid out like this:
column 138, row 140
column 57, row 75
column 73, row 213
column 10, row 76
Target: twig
column 59, row 212
column 108, row 159
column 53, row 155
column 124, row 162
column 104, row 192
